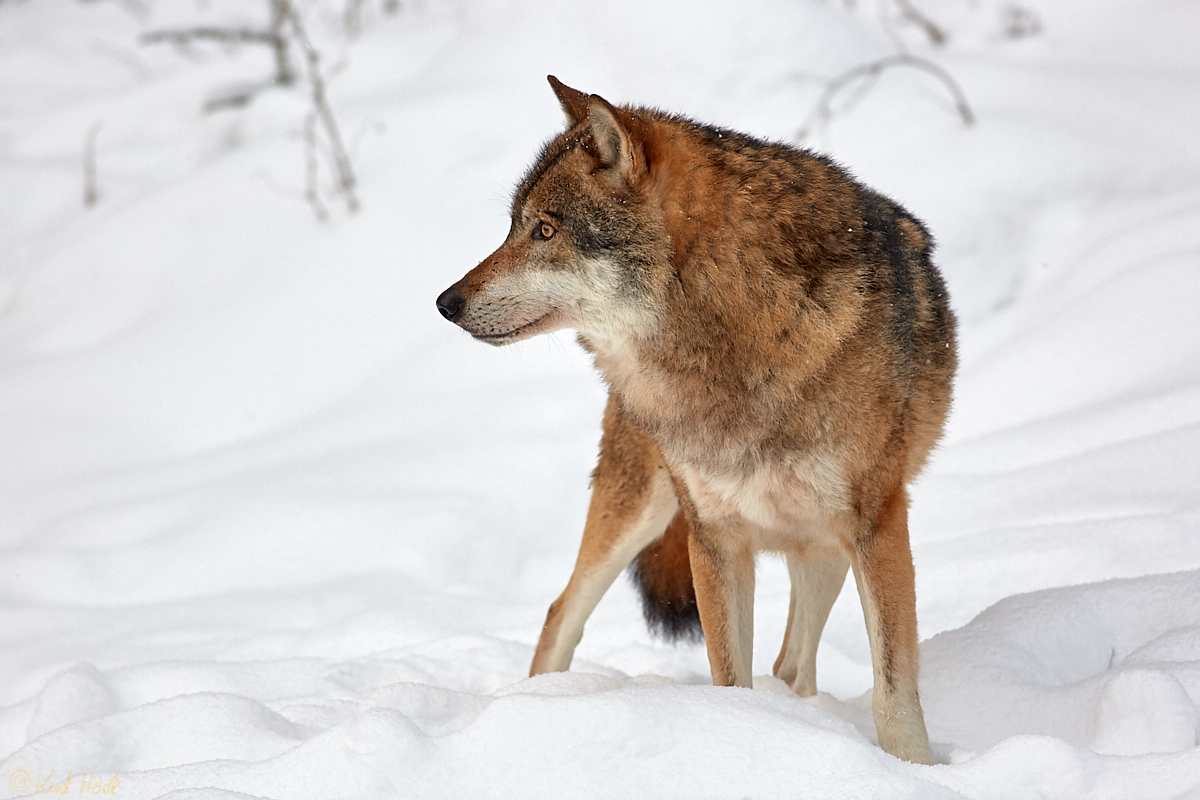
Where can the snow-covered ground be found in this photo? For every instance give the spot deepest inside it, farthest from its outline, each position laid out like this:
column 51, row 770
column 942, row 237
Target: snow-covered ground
column 269, row 527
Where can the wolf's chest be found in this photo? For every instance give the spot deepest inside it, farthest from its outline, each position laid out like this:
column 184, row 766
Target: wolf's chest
column 772, row 501
column 726, row 446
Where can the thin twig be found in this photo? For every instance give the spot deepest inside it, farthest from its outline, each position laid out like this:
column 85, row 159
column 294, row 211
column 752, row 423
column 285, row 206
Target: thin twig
column 284, row 74
column 912, row 14
column 1020, row 22
column 91, row 192
column 823, row 112
column 286, row 26
column 345, row 173
column 311, row 192
column 233, row 97
column 186, row 35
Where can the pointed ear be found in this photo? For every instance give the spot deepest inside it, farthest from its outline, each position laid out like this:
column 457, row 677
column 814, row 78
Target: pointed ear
column 617, row 146
column 574, row 102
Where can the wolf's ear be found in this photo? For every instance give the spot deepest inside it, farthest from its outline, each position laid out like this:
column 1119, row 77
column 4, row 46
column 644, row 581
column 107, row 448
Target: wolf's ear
column 616, row 145
column 574, row 102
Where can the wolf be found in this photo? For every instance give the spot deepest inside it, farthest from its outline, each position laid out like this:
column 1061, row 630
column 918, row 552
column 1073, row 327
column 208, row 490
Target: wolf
column 779, row 351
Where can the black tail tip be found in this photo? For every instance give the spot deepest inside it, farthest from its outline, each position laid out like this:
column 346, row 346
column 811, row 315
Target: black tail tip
column 670, row 616
column 673, row 622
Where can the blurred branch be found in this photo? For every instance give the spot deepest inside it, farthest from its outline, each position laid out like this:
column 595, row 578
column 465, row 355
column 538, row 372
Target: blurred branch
column 858, row 81
column 286, row 27
column 311, row 193
column 187, row 35
column 862, row 74
column 284, row 74
column 341, row 162
column 91, row 192
column 1020, row 22
column 910, row 13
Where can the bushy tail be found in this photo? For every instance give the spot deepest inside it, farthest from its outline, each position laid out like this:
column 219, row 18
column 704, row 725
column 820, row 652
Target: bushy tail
column 663, row 574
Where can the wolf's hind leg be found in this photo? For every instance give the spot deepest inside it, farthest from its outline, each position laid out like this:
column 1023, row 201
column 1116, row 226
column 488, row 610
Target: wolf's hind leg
column 632, row 503
column 815, row 587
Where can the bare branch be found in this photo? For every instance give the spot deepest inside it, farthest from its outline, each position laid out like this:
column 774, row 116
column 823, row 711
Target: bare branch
column 823, row 112
column 236, row 96
column 284, row 74
column 311, row 192
column 345, row 173
column 287, row 28
column 911, row 13
column 91, row 192
column 187, row 35
column 1020, row 22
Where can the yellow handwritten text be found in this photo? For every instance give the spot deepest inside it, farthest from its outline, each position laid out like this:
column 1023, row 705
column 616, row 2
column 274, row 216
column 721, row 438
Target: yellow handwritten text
column 21, row 782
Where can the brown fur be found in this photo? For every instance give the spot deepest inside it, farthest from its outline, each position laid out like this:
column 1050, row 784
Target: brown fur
column 779, row 351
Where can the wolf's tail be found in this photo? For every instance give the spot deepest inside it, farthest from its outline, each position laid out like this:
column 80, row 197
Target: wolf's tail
column 663, row 574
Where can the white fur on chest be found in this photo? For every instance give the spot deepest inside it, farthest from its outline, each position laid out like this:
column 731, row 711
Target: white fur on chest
column 777, row 503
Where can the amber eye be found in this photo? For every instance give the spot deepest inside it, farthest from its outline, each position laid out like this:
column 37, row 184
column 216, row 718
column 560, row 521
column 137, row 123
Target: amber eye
column 543, row 231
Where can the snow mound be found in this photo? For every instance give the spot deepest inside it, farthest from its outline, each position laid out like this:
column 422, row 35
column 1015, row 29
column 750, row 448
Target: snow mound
column 1112, row 667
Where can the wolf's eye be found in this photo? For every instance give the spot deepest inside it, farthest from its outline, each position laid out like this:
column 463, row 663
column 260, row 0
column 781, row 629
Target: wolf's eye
column 543, row 231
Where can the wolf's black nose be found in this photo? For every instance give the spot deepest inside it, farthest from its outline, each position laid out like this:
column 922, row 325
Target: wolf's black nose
column 451, row 303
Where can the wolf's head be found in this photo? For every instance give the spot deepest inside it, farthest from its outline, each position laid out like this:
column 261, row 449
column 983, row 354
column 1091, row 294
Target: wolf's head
column 587, row 241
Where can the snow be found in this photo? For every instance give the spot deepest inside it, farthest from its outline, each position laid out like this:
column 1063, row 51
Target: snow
column 269, row 527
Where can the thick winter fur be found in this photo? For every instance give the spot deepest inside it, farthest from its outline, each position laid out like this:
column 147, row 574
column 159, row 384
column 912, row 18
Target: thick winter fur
column 779, row 351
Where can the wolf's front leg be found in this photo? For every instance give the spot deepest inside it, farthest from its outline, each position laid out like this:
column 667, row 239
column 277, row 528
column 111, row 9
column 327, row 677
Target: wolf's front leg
column 632, row 503
column 723, row 575
column 815, row 586
column 883, row 568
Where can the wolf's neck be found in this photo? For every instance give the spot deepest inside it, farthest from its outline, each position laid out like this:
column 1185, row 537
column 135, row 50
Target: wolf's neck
column 697, row 405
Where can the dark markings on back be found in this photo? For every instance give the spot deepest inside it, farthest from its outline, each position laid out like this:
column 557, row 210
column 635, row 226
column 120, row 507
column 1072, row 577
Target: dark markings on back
column 760, row 151
column 885, row 235
column 943, row 320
